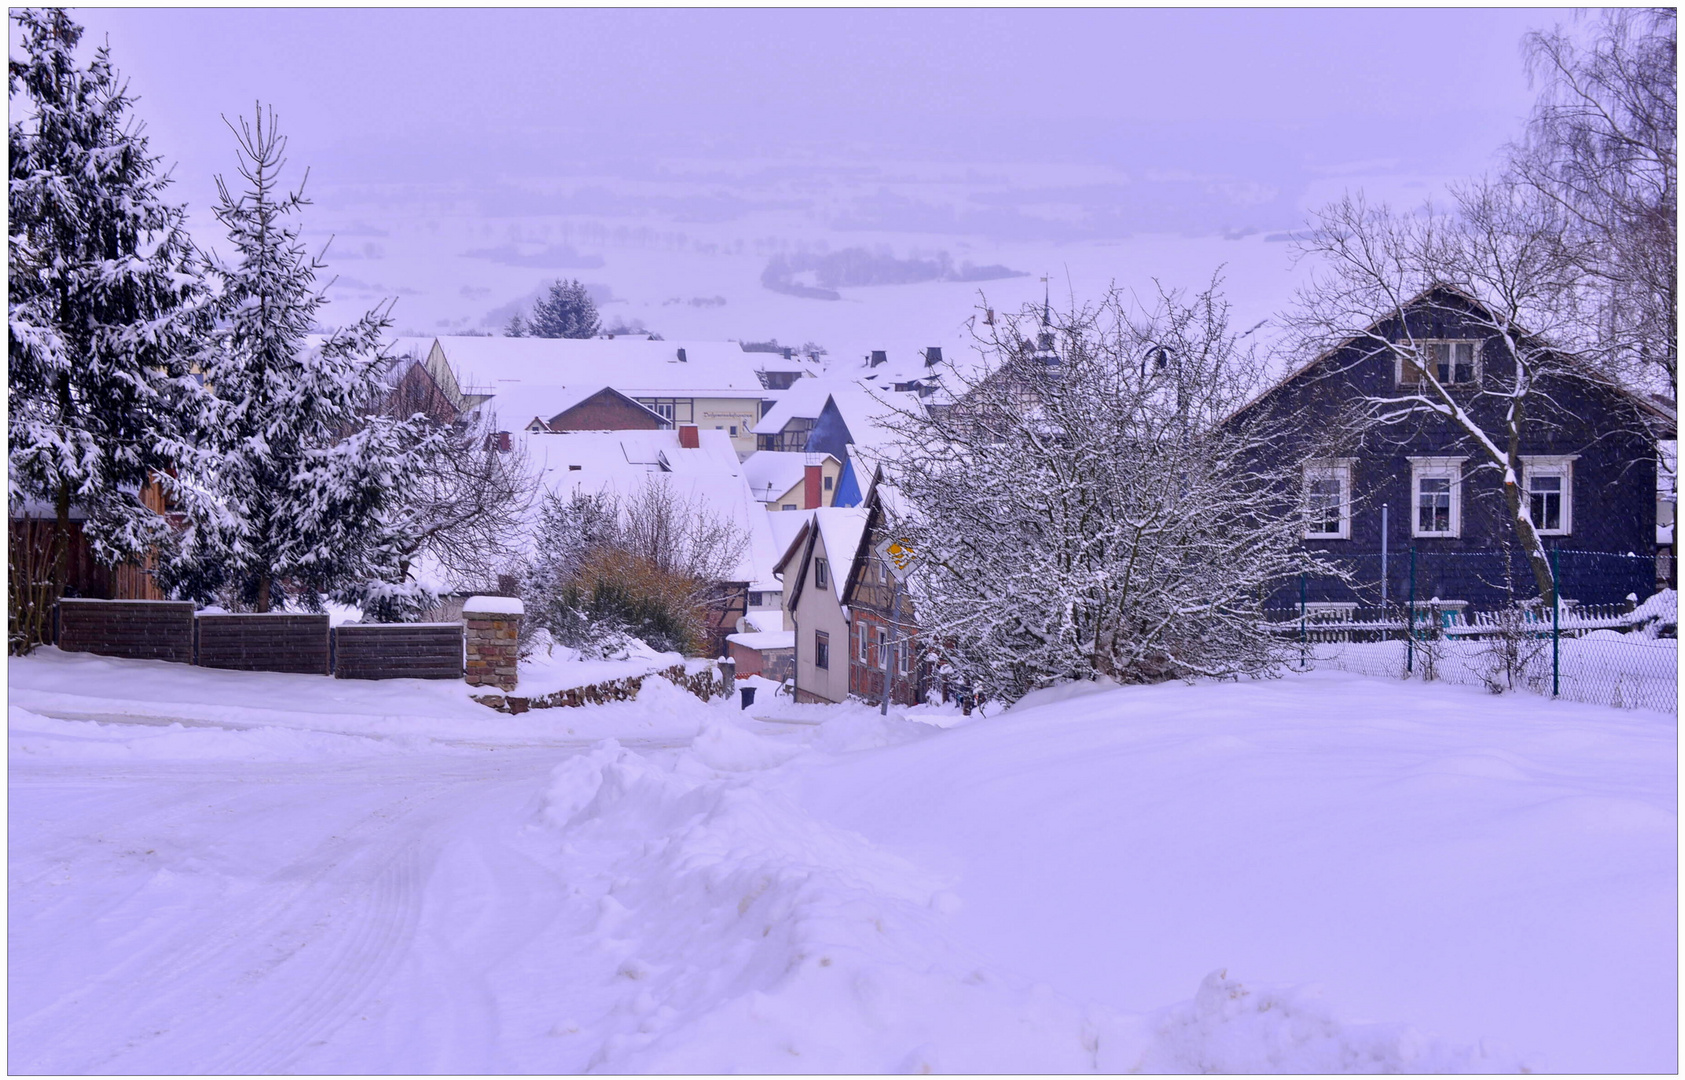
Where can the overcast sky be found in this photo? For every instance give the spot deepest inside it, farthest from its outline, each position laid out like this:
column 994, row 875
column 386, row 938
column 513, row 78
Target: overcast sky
column 463, row 158
column 475, row 94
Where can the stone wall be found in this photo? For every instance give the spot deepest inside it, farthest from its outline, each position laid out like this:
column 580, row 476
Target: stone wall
column 708, row 683
column 492, row 639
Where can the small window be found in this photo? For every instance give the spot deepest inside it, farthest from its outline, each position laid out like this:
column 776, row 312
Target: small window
column 821, row 649
column 787, row 506
column 1550, row 490
column 1328, row 502
column 1436, row 496
column 821, row 573
column 828, row 480
column 575, row 468
column 883, row 644
column 860, row 642
column 734, row 431
column 901, row 658
column 1453, row 363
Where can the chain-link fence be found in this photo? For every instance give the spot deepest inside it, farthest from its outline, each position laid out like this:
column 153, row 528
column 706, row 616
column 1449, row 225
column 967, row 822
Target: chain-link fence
column 1476, row 618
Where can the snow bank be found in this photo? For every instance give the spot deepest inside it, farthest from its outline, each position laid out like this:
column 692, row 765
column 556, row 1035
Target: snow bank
column 37, row 736
column 733, row 932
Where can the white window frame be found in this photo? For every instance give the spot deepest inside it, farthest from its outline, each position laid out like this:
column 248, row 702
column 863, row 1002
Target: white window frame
column 1550, row 465
column 1422, row 468
column 860, row 636
column 1337, row 469
column 821, row 572
column 1421, row 350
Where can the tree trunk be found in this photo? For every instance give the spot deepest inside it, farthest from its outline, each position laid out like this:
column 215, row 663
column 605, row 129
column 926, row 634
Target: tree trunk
column 263, row 584
column 1537, row 557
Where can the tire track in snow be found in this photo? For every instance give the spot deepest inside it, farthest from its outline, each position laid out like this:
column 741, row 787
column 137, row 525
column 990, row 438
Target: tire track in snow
column 253, row 990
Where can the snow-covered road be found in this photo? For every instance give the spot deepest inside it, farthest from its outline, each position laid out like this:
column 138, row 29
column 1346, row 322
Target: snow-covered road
column 224, row 873
column 270, row 916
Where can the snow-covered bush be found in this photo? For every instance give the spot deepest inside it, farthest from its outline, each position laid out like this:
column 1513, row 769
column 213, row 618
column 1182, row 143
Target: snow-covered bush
column 645, row 568
column 1094, row 505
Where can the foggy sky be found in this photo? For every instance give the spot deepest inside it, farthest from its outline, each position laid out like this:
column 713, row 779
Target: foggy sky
column 388, row 95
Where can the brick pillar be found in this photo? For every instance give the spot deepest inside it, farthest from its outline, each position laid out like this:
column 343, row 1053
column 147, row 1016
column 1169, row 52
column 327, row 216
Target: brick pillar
column 492, row 627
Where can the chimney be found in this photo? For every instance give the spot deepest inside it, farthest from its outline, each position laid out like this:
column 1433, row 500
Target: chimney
column 690, row 437
column 933, row 356
column 788, row 352
column 811, row 498
column 879, row 356
column 682, row 359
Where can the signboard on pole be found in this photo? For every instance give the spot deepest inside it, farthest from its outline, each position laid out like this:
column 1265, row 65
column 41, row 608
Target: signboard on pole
column 898, row 554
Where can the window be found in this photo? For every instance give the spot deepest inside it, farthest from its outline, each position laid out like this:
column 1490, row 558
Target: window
column 734, row 431
column 670, row 409
column 828, row 481
column 821, row 573
column 821, row 649
column 1549, row 484
column 883, row 645
column 787, row 506
column 1453, row 363
column 1328, row 501
column 1436, row 495
column 860, row 633
column 901, row 658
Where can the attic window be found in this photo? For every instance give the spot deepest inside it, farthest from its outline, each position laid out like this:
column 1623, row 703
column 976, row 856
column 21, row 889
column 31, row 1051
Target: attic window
column 575, row 468
column 1453, row 363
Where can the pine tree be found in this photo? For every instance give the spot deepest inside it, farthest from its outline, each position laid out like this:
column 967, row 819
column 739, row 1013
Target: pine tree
column 566, row 312
column 307, row 476
column 104, row 299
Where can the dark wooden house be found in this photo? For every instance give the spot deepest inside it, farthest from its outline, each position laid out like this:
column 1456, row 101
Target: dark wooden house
column 1589, row 458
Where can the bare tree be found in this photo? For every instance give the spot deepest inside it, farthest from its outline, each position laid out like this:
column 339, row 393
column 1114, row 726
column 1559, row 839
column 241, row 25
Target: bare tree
column 1601, row 150
column 1092, row 505
column 467, row 506
column 647, row 565
column 1389, row 284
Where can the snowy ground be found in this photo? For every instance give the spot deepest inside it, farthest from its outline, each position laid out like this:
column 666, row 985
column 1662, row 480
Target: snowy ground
column 304, row 875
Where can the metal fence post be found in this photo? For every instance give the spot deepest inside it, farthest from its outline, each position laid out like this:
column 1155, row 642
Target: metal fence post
column 1303, row 661
column 1383, row 560
column 1555, row 626
column 1410, row 619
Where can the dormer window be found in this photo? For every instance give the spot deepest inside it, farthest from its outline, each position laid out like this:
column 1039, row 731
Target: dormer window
column 1453, row 363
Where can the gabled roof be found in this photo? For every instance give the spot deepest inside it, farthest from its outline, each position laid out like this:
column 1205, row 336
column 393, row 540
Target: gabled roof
column 634, row 366
column 518, row 408
column 840, row 529
column 803, row 399
column 773, row 472
column 1452, row 292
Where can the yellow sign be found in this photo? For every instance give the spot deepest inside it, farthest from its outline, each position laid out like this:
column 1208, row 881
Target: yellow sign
column 898, row 553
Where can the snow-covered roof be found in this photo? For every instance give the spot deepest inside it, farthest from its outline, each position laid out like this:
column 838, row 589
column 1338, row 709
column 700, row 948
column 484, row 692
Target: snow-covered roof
column 804, row 399
column 634, row 366
column 521, row 405
column 840, row 528
column 773, row 472
column 624, row 462
column 767, row 639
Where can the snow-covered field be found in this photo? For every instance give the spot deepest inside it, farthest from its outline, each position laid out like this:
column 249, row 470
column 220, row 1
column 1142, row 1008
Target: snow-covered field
column 218, row 872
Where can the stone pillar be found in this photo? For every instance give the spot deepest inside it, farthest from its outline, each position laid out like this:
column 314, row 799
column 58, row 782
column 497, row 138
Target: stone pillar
column 492, row 629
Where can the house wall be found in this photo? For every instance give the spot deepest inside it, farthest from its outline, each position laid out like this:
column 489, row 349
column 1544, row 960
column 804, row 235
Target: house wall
column 819, row 610
column 797, row 496
column 1613, row 477
column 605, row 411
column 872, row 603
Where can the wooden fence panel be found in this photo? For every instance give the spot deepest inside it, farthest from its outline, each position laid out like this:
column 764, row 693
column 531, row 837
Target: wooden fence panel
column 270, row 642
column 398, row 651
column 134, row 629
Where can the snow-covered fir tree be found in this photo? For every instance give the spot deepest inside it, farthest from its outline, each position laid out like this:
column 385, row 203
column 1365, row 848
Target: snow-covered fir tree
column 308, row 477
column 1091, row 507
column 565, row 311
column 104, row 298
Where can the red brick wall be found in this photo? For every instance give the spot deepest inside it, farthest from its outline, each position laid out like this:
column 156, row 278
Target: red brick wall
column 606, row 412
